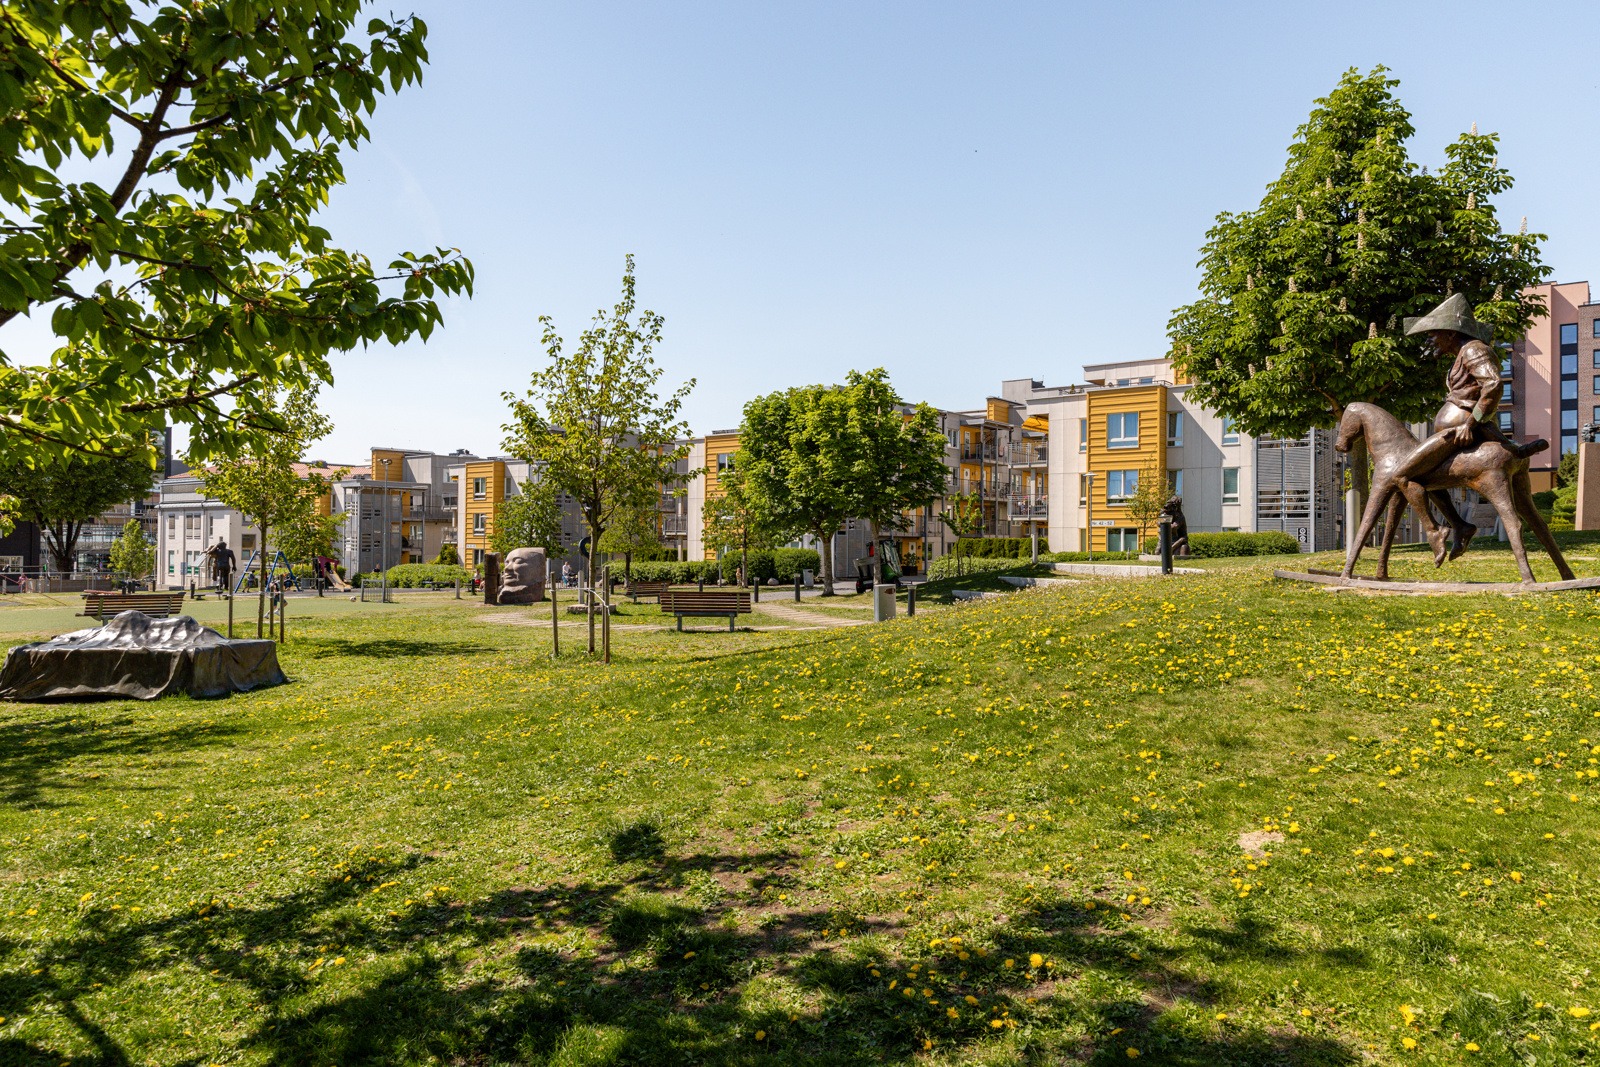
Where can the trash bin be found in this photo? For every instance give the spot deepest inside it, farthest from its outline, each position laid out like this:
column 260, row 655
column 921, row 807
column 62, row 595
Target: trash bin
column 882, row 603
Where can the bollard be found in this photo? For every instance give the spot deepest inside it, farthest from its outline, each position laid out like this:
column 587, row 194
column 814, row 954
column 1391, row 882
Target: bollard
column 1164, row 540
column 283, row 619
column 701, row 585
column 797, row 588
column 230, row 616
column 911, row 600
column 755, row 588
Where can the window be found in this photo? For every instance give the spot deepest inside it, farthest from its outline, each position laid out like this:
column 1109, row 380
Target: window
column 1083, row 424
column 1597, row 381
column 1597, row 357
column 1569, row 363
column 171, row 564
column 1147, row 381
column 1569, row 333
column 1505, row 393
column 724, row 462
column 1175, row 482
column 1596, row 417
column 1505, row 367
column 191, row 526
column 477, row 557
column 480, row 523
column 1083, row 489
column 1122, row 539
column 1596, row 327
column 1120, row 485
column 1569, row 420
column 1230, row 485
column 1230, row 432
column 1569, row 389
column 247, row 542
column 1505, row 422
column 480, row 488
column 1569, row 443
column 1175, row 428
column 172, row 526
column 1122, row 430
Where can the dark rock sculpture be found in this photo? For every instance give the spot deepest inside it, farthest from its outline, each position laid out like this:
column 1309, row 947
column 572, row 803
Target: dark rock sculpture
column 522, row 579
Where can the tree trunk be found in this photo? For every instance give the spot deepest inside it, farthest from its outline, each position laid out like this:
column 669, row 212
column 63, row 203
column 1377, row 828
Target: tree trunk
column 261, row 592
column 593, row 583
column 825, row 559
column 873, row 548
column 627, row 569
column 62, row 539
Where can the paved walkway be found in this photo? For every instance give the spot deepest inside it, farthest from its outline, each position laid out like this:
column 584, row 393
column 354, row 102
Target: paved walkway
column 805, row 618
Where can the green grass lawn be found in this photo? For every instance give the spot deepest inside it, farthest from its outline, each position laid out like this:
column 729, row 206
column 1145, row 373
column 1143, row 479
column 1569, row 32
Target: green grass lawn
column 1003, row 832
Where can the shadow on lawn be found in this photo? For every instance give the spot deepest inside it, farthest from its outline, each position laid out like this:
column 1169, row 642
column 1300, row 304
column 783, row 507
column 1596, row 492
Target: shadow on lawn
column 386, row 648
column 33, row 752
column 666, row 979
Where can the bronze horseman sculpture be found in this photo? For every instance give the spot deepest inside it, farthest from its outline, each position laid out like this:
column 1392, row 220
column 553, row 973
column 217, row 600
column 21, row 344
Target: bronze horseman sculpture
column 1467, row 450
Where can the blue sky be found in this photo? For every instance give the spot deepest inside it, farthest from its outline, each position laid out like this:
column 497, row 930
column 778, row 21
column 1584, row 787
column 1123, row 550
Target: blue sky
column 959, row 193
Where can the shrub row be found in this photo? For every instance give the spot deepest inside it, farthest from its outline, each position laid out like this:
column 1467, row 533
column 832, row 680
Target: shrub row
column 1217, row 545
column 951, row 566
column 412, row 575
column 1084, row 557
column 998, row 547
column 780, row 563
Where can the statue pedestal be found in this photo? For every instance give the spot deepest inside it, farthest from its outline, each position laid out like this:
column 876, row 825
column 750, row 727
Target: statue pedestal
column 1588, row 517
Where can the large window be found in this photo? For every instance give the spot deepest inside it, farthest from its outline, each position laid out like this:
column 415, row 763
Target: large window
column 480, row 488
column 1175, row 482
column 1230, row 432
column 1505, row 422
column 1569, row 419
column 1083, row 425
column 1596, row 327
column 1569, row 364
column 724, row 462
column 1230, row 485
column 1175, row 428
column 1083, row 489
column 1120, row 485
column 1505, row 367
column 1596, row 418
column 480, row 523
column 1569, row 389
column 1122, row 539
column 1122, row 430
column 1505, row 393
column 1569, row 333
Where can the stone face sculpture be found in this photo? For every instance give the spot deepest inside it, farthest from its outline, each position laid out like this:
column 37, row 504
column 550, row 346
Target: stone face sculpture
column 1172, row 511
column 522, row 578
column 1467, row 450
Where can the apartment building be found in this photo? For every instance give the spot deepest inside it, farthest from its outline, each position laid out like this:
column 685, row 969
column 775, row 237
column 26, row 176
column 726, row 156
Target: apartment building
column 482, row 485
column 400, row 508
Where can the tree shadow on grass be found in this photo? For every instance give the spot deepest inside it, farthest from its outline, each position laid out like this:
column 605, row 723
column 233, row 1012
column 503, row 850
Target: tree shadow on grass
column 34, row 753
column 386, row 648
column 632, row 971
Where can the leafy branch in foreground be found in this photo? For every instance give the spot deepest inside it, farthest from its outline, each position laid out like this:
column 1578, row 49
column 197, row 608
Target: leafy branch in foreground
column 189, row 283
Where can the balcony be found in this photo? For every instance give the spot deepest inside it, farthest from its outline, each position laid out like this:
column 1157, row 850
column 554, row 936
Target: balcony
column 1030, row 455
column 979, row 455
column 674, row 526
column 1029, row 507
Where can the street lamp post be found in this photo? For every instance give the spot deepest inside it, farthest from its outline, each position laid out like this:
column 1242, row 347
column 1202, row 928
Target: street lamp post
column 383, row 551
column 1088, row 498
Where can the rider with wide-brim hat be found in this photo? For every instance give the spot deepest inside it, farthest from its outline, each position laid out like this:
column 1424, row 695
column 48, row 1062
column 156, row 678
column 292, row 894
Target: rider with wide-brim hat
column 1472, row 399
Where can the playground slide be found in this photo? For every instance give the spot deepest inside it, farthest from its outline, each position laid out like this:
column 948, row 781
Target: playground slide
column 336, row 582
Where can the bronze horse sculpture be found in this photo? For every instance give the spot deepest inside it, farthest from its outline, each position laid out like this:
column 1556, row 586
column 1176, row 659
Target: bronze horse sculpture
column 1492, row 470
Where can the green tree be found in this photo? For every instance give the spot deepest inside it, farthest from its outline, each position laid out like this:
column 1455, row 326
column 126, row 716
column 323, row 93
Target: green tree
column 634, row 528
column 794, row 462
column 132, row 554
column 448, row 556
column 268, row 482
column 963, row 515
column 308, row 532
column 1302, row 300
column 896, row 456
column 594, row 424
column 1149, row 497
column 186, row 279
column 734, row 523
column 61, row 493
column 529, row 520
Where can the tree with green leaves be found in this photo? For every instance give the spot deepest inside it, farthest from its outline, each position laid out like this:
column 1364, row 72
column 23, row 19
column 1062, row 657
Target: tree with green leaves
column 1302, row 300
column 268, row 482
column 132, row 554
column 795, row 465
column 594, row 424
column 733, row 521
column 448, row 556
column 183, row 272
column 532, row 519
column 896, row 456
column 635, row 528
column 62, row 493
column 309, row 532
column 963, row 515
column 1149, row 497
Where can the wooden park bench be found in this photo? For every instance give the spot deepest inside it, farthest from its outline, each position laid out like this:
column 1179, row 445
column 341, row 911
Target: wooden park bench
column 102, row 605
column 635, row 590
column 709, row 603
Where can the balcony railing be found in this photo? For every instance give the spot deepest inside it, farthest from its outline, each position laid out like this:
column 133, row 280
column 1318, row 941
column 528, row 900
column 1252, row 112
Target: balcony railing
column 1029, row 507
column 674, row 526
column 1029, row 455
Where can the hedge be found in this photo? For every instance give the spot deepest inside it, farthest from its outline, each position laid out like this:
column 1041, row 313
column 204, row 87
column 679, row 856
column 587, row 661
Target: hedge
column 950, row 566
column 780, row 563
column 1217, row 545
column 998, row 547
column 1084, row 557
column 413, row 575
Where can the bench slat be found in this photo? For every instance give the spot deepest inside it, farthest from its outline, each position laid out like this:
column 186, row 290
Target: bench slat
column 98, row 605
